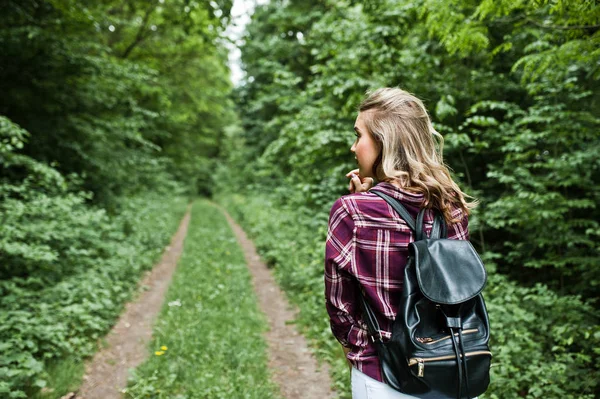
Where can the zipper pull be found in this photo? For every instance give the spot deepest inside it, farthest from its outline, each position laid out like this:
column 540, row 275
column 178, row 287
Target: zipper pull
column 421, row 372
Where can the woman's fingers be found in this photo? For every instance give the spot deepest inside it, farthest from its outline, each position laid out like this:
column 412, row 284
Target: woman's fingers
column 352, row 172
column 356, row 182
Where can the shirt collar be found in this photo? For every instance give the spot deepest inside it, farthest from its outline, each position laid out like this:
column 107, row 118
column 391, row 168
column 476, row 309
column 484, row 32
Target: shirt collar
column 398, row 193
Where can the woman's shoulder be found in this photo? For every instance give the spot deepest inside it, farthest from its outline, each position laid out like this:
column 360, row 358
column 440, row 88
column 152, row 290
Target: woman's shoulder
column 345, row 205
column 356, row 202
column 367, row 209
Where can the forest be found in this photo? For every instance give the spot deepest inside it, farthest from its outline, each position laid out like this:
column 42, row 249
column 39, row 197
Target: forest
column 115, row 114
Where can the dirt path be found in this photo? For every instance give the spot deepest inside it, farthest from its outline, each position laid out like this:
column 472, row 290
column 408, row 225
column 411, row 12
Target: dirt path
column 127, row 344
column 293, row 367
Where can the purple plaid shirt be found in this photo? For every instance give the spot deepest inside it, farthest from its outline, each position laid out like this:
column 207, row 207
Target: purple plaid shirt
column 367, row 247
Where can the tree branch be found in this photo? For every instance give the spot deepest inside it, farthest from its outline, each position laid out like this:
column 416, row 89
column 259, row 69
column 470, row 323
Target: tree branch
column 464, row 162
column 140, row 37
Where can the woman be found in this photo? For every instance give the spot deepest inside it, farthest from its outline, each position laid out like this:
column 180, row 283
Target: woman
column 367, row 242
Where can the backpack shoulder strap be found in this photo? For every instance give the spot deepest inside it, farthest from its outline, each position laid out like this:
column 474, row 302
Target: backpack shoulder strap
column 370, row 319
column 439, row 229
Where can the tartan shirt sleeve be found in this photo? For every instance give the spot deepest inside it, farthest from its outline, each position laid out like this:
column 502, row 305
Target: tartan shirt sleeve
column 340, row 287
column 460, row 230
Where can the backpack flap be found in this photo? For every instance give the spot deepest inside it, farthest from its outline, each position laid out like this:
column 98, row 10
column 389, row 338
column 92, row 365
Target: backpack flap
column 448, row 271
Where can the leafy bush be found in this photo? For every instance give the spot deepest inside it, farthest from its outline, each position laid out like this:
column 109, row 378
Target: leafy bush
column 66, row 268
column 544, row 345
column 42, row 319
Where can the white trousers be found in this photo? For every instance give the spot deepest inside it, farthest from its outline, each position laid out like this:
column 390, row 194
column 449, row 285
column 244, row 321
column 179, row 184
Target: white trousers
column 365, row 387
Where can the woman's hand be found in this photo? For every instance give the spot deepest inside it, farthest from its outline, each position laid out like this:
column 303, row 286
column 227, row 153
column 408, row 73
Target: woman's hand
column 358, row 184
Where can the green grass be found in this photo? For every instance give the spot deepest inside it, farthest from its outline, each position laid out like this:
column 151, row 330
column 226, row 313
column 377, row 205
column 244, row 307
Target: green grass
column 209, row 323
column 293, row 244
column 64, row 376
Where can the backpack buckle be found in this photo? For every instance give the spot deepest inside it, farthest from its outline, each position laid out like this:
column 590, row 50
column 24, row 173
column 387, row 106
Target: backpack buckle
column 379, row 338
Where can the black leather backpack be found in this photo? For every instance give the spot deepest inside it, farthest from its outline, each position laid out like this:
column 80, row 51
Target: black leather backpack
column 439, row 343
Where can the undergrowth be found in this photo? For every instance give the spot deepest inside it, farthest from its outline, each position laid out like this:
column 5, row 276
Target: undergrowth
column 51, row 318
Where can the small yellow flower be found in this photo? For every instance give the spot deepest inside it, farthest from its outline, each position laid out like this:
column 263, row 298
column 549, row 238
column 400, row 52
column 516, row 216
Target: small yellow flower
column 159, row 353
column 163, row 348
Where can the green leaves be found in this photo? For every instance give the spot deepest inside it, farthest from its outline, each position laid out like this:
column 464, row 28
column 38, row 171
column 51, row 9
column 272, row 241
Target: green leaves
column 12, row 136
column 76, row 272
column 512, row 86
column 130, row 96
column 453, row 23
column 445, row 107
column 65, row 267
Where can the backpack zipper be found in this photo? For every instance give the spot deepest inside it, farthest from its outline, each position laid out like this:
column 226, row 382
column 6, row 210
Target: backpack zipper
column 420, row 361
column 429, row 340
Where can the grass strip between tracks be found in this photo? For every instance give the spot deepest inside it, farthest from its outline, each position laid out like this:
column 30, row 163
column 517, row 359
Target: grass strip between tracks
column 207, row 341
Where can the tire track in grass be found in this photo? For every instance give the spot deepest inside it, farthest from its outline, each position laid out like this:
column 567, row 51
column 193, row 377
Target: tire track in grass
column 295, row 370
column 208, row 340
column 106, row 374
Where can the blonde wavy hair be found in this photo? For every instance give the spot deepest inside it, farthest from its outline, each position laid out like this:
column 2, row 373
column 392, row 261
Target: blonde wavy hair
column 411, row 150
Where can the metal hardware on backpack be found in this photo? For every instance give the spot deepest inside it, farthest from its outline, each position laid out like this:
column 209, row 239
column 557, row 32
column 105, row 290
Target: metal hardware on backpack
column 439, row 343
